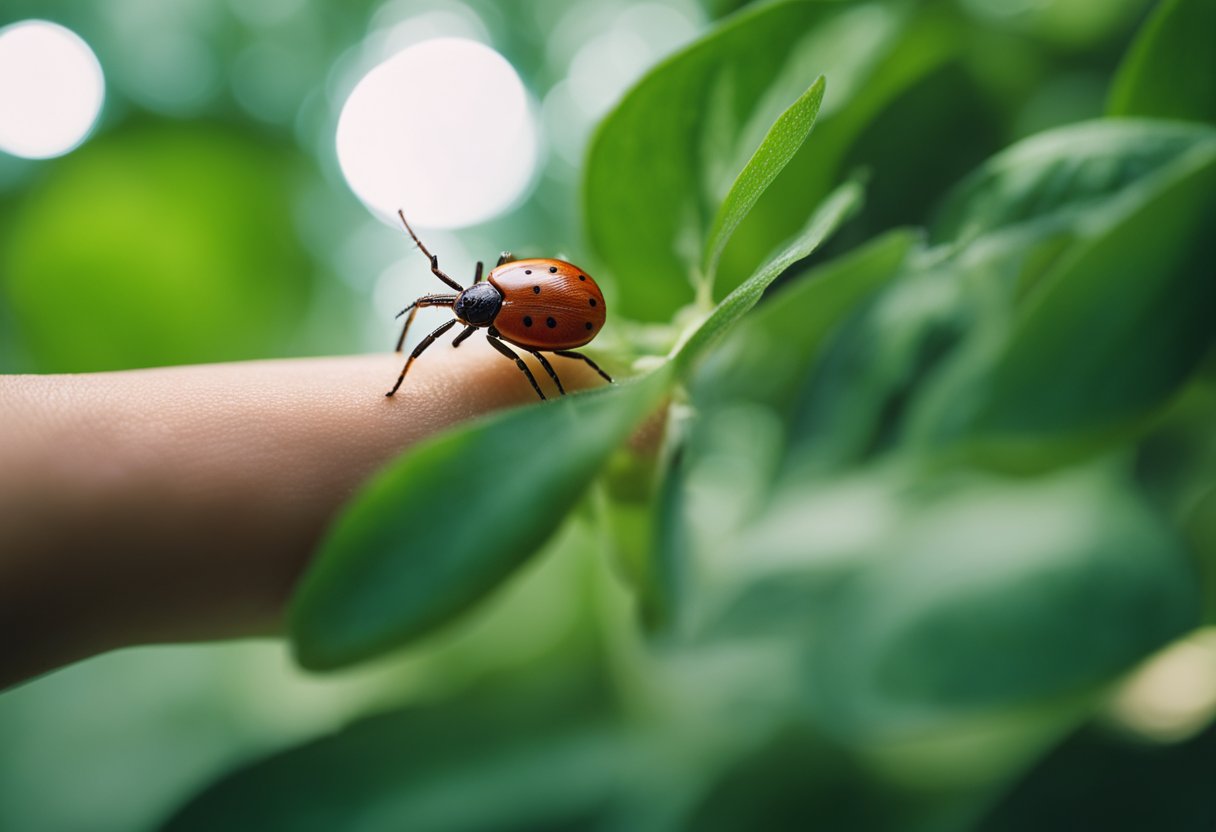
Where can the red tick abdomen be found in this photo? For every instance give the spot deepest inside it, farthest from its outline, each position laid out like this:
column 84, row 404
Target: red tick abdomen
column 547, row 304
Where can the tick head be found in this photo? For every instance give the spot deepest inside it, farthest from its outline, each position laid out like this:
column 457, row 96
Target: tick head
column 479, row 304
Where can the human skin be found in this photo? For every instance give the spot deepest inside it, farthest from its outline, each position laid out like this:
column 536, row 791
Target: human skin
column 182, row 503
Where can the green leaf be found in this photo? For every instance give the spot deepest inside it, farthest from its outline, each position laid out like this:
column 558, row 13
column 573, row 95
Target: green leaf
column 444, row 524
column 1112, row 331
column 849, row 407
column 1170, row 71
column 782, row 141
column 1056, row 178
column 675, row 538
column 741, row 552
column 774, row 348
column 886, row 111
column 916, row 357
column 761, row 363
column 837, row 208
column 995, row 595
column 660, row 163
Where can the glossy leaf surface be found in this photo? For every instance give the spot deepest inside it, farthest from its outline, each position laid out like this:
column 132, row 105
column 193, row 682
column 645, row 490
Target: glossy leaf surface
column 1170, row 71
column 438, row 530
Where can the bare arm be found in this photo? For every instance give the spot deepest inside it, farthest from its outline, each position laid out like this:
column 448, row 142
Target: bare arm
column 182, row 503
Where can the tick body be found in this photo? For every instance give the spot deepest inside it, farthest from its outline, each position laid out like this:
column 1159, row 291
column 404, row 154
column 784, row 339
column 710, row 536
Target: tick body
column 536, row 305
column 547, row 304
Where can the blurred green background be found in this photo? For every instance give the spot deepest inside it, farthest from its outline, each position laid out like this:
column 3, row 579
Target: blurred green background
column 1009, row 642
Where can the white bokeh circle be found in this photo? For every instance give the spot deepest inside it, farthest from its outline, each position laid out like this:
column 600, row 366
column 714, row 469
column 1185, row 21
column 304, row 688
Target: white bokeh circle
column 51, row 89
column 442, row 130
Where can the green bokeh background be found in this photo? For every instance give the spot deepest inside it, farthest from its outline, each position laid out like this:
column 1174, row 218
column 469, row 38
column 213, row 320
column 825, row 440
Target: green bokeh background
column 205, row 219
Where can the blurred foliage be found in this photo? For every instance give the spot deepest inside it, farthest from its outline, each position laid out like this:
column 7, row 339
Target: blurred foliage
column 1170, row 71
column 223, row 258
column 1098, row 778
column 901, row 549
column 382, row 771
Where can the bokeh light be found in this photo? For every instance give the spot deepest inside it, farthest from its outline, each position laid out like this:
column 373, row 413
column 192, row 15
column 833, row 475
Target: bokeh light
column 443, row 130
column 1172, row 696
column 51, row 89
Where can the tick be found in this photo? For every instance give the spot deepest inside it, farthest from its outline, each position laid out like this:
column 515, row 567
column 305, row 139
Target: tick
column 536, row 305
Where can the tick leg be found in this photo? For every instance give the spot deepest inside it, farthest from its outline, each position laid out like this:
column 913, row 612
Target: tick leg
column 581, row 357
column 425, row 300
column 519, row 362
column 435, row 270
column 413, row 307
column 459, row 339
column 505, row 257
column 477, row 274
column 422, row 345
column 544, row 362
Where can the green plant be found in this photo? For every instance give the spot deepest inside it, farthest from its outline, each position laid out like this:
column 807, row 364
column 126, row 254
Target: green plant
column 897, row 522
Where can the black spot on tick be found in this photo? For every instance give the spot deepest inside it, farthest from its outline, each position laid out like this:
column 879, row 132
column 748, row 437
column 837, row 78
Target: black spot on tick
column 536, row 290
column 527, row 271
column 582, row 277
column 592, row 301
column 527, row 320
column 553, row 269
column 589, row 326
column 551, row 322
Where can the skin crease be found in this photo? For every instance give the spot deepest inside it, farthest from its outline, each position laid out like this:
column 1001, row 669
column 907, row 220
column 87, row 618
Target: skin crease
column 182, row 503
